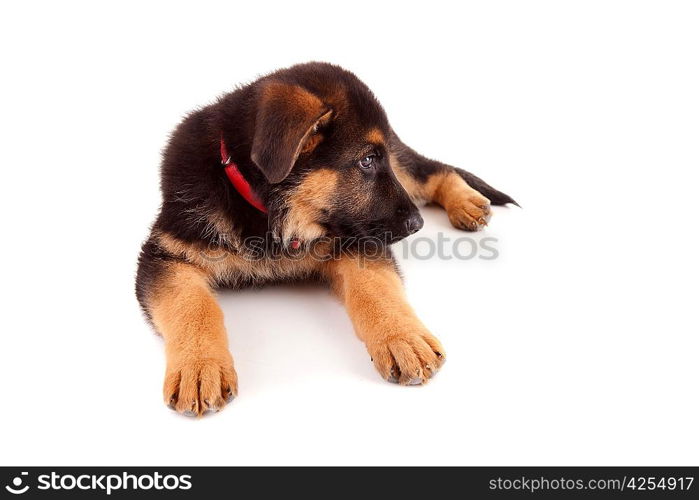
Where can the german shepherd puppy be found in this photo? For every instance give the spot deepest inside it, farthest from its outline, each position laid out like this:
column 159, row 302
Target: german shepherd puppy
column 285, row 179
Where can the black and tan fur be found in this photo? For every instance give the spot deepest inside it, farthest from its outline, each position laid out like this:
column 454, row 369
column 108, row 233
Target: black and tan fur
column 302, row 137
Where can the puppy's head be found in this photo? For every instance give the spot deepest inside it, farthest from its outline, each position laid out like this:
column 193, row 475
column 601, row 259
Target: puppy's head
column 321, row 140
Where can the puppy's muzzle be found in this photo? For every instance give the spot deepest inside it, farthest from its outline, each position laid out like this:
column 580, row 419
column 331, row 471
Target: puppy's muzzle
column 413, row 223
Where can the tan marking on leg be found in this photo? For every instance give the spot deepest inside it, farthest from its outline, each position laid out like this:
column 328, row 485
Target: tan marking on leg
column 402, row 349
column 200, row 374
column 467, row 208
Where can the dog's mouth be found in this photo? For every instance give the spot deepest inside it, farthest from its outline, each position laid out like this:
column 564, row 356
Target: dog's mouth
column 375, row 231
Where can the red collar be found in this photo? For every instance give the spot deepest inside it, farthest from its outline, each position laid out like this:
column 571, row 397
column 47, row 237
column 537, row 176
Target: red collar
column 238, row 181
column 244, row 188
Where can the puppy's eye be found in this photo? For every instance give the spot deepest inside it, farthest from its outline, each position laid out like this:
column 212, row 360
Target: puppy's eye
column 367, row 162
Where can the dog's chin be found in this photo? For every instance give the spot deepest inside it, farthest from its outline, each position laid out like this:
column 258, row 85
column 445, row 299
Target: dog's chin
column 365, row 233
column 380, row 235
column 386, row 235
column 391, row 238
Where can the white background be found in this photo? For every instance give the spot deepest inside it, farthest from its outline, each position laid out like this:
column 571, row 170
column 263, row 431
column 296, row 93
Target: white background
column 578, row 345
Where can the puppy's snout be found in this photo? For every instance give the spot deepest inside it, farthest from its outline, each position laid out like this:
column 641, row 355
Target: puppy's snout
column 414, row 223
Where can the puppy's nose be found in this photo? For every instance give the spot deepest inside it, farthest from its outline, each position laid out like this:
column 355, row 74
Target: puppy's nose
column 414, row 223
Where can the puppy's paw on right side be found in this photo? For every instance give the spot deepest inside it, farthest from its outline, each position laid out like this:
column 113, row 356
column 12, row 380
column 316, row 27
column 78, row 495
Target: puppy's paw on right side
column 197, row 384
column 407, row 359
column 471, row 213
column 467, row 208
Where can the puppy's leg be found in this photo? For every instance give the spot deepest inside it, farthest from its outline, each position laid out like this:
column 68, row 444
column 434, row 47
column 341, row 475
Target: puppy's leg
column 182, row 306
column 402, row 349
column 465, row 197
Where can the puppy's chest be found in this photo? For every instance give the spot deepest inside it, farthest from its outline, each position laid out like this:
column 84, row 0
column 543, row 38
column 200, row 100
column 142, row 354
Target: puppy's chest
column 232, row 269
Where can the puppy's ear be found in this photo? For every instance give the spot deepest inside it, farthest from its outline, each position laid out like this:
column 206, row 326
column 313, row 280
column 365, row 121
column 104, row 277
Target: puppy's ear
column 286, row 117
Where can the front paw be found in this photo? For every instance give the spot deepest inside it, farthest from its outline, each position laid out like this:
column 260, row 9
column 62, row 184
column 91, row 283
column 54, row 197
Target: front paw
column 197, row 383
column 469, row 211
column 407, row 359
